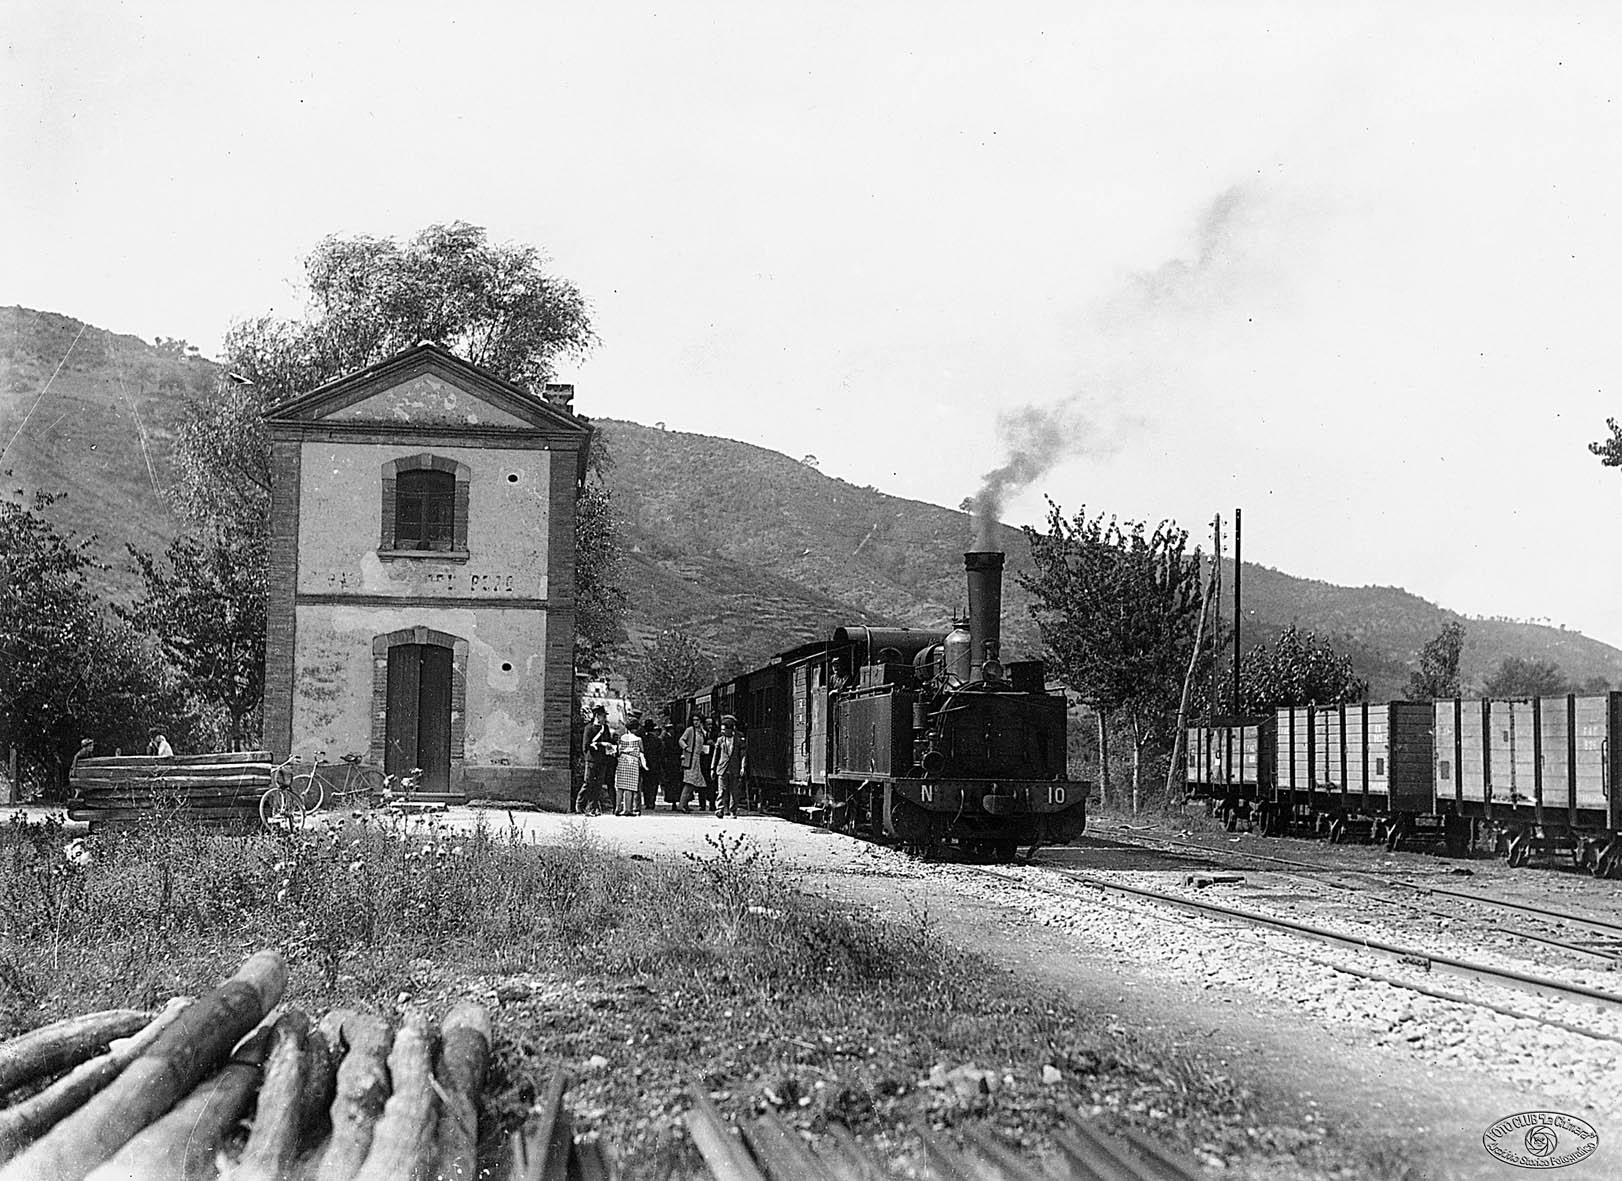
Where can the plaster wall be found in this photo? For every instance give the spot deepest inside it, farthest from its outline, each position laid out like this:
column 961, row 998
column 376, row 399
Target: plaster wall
column 340, row 505
column 333, row 702
column 427, row 398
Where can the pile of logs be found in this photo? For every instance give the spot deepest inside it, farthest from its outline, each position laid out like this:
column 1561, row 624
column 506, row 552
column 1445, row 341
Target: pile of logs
column 128, row 1095
column 222, row 788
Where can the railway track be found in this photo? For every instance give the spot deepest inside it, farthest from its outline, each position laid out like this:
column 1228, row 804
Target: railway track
column 1607, row 947
column 1427, row 961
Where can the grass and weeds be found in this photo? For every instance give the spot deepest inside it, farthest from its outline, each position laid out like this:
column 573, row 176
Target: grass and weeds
column 640, row 977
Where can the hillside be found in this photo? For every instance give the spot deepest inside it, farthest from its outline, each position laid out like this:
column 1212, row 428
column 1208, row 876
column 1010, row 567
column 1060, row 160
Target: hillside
column 686, row 496
column 90, row 413
column 748, row 549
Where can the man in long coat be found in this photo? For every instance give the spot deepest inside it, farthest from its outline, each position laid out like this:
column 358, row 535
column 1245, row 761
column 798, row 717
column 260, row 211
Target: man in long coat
column 600, row 745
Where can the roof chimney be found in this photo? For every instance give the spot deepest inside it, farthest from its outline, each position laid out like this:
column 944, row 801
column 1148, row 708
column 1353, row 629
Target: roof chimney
column 560, row 395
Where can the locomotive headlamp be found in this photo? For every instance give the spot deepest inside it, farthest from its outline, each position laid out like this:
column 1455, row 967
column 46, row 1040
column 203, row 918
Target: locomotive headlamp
column 993, row 670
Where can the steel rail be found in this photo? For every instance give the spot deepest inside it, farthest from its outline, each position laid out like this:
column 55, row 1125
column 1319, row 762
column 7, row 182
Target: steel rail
column 1503, row 977
column 1598, row 926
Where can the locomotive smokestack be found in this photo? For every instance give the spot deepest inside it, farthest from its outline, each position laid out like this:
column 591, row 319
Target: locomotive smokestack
column 984, row 570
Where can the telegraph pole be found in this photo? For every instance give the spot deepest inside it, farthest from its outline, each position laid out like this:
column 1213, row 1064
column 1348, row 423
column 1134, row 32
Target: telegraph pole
column 1216, row 614
column 1237, row 614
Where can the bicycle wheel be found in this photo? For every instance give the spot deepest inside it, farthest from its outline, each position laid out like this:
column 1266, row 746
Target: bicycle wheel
column 281, row 810
column 311, row 790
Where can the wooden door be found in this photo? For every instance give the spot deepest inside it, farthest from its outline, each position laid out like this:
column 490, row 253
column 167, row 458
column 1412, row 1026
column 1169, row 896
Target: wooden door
column 418, row 724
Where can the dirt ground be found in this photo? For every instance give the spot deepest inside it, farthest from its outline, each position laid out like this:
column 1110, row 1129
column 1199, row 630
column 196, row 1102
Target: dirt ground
column 1302, row 1072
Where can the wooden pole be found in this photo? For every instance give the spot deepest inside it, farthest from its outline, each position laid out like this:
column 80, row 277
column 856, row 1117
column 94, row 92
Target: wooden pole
column 186, row 1052
column 320, row 1083
column 33, row 1117
column 540, row 1148
column 363, row 1089
column 1216, row 599
column 53, row 1048
column 182, row 1145
column 1188, row 684
column 403, row 1142
column 464, row 1057
column 273, row 1139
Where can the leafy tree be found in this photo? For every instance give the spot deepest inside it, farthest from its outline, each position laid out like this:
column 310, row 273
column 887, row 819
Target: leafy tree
column 1595, row 685
column 1298, row 669
column 1519, row 677
column 205, row 603
column 67, row 670
column 369, row 298
column 673, row 666
column 1609, row 450
column 1438, row 674
column 1117, row 605
column 599, row 619
column 221, row 461
column 494, row 305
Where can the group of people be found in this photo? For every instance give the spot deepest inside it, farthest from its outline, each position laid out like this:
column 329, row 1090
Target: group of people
column 705, row 762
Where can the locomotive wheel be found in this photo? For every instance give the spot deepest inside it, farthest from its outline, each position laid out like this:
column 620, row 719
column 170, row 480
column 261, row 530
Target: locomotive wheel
column 914, row 827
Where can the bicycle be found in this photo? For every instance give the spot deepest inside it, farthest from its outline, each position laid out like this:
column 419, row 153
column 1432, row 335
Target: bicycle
column 292, row 795
column 280, row 807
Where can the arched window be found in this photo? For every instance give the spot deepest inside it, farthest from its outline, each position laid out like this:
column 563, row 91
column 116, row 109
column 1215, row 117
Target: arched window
column 425, row 508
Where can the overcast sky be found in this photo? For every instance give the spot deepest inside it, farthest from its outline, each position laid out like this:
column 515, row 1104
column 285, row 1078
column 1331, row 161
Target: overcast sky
column 1354, row 268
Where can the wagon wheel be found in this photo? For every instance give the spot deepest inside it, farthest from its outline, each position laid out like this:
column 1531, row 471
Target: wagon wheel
column 1394, row 834
column 1520, row 851
column 1609, row 861
column 1337, row 830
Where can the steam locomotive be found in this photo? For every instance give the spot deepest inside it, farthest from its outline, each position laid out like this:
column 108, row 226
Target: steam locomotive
column 920, row 737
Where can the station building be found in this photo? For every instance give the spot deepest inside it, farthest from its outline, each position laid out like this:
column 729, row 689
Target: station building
column 421, row 587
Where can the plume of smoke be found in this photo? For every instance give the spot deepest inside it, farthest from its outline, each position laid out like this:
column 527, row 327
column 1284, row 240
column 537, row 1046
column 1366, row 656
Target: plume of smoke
column 1147, row 305
column 1034, row 438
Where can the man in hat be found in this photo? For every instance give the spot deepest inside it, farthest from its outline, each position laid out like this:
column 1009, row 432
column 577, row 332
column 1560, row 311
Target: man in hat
column 731, row 761
column 600, row 744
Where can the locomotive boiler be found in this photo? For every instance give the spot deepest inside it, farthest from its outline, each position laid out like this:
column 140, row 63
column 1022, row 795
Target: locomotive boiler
column 925, row 738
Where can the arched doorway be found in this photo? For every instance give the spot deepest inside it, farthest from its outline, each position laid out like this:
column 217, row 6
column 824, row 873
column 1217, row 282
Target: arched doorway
column 421, row 690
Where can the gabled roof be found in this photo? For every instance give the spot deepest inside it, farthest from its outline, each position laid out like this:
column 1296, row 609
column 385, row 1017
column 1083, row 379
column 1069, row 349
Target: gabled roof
column 431, row 359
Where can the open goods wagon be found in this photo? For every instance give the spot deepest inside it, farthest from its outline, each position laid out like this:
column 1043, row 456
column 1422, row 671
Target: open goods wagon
column 1540, row 773
column 1230, row 761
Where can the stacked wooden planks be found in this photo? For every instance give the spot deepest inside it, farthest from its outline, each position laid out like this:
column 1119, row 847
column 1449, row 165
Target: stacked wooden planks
column 219, row 788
